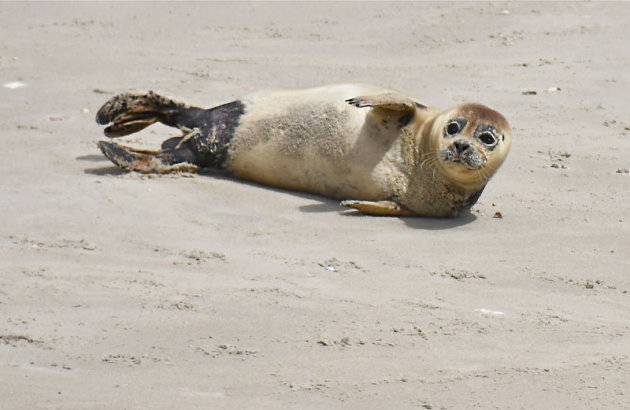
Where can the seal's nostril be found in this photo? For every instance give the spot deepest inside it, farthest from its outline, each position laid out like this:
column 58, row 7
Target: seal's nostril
column 461, row 146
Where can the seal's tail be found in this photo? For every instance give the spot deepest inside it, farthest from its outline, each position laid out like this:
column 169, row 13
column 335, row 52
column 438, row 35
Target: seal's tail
column 129, row 113
column 206, row 133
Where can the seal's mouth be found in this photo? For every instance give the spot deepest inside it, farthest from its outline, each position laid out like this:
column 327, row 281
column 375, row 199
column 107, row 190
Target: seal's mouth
column 466, row 170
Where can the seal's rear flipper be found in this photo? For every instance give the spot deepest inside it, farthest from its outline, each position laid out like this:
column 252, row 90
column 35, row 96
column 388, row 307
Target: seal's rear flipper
column 144, row 161
column 129, row 113
column 206, row 134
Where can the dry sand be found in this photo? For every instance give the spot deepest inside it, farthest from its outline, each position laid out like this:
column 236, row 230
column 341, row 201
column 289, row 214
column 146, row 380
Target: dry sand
column 121, row 291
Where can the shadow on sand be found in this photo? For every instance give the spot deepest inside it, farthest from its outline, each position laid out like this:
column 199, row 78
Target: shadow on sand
column 324, row 205
column 416, row 222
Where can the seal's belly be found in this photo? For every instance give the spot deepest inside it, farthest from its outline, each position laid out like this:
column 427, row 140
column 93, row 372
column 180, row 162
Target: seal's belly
column 313, row 141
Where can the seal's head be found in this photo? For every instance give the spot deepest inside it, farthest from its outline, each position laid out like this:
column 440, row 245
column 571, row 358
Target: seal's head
column 470, row 142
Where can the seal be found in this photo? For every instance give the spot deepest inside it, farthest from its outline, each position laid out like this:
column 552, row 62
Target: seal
column 381, row 152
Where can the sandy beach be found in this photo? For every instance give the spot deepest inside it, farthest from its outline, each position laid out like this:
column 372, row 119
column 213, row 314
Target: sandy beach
column 127, row 291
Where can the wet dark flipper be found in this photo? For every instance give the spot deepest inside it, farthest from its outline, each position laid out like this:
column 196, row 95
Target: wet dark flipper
column 129, row 113
column 206, row 133
column 144, row 161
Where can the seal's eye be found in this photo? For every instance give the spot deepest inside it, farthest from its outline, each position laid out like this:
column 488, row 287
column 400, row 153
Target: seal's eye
column 487, row 138
column 452, row 128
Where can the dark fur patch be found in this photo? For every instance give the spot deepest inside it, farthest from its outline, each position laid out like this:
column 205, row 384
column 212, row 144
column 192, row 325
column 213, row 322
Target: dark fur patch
column 216, row 129
column 471, row 200
column 404, row 120
column 481, row 113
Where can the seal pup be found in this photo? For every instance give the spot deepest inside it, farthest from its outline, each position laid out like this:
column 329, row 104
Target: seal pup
column 380, row 151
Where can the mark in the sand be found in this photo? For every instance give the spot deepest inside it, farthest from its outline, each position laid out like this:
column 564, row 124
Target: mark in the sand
column 489, row 312
column 460, row 274
column 14, row 339
column 335, row 265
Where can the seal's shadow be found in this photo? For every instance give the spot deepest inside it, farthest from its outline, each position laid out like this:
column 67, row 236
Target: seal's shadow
column 102, row 171
column 92, row 158
column 324, row 205
column 416, row 222
column 436, row 224
column 110, row 169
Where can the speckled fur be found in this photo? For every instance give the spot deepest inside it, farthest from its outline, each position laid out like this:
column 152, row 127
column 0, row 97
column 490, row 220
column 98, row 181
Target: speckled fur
column 311, row 140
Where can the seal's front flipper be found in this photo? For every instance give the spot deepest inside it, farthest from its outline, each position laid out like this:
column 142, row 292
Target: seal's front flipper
column 144, row 161
column 388, row 101
column 382, row 208
column 129, row 113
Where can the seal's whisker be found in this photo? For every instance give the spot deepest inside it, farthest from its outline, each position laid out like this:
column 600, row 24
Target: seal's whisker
column 429, row 159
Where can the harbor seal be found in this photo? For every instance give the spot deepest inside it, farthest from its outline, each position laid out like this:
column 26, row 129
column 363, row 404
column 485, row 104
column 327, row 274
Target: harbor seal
column 381, row 152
